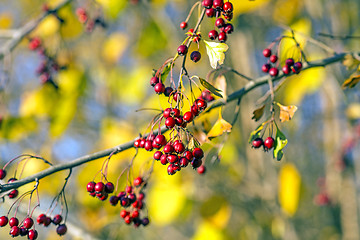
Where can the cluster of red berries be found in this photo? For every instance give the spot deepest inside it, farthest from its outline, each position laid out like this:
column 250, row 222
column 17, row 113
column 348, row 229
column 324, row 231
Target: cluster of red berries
column 23, row 230
column 61, row 229
column 13, row 193
column 100, row 190
column 267, row 144
column 290, row 64
column 216, row 8
column 89, row 23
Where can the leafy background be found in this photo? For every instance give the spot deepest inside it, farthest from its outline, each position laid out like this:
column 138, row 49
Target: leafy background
column 245, row 194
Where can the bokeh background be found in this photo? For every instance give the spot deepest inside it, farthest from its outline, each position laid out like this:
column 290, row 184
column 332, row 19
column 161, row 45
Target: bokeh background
column 245, row 194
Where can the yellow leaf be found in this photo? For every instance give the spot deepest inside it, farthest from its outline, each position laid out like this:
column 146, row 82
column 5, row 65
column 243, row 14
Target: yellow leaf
column 351, row 81
column 289, row 188
column 207, row 231
column 221, row 126
column 113, row 7
column 286, row 112
column 215, row 51
column 350, row 62
column 114, row 47
column 6, row 20
column 48, row 27
column 71, row 27
column 247, row 6
column 286, row 10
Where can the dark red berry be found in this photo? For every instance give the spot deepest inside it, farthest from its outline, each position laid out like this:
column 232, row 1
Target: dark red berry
column 154, row 81
column 28, row 223
column 167, row 112
column 170, row 122
column 61, row 229
column 213, row 34
column 41, row 218
column 273, row 72
column 90, row 187
column 210, row 12
column 168, row 148
column 228, row 7
column 57, row 219
column 168, row 91
column 298, row 66
column 222, row 37
column 47, row 221
column 160, row 139
column 195, row 56
column 155, row 145
column 13, row 194
column 218, row 4
column 142, row 143
column 104, row 196
column 183, row 162
column 198, row 153
column 170, row 169
column 99, row 187
column 266, row 67
column 273, row 58
column 286, row 69
column 179, row 121
column 220, row 22
column 182, row 50
column 23, row 231
column 172, row 158
column 289, row 62
column 258, row 142
column 179, row 147
column 148, row 145
column 141, row 196
column 128, row 189
column 269, row 143
column 114, row 200
column 201, row 104
column 15, row 231
column 196, row 163
column 13, row 222
column 32, row 234
column 159, row 88
column 3, row 221
column 201, row 169
column 188, row 155
column 163, row 159
column 145, row 221
column 135, row 214
column 207, row 3
column 109, row 187
column 175, row 112
column 229, row 28
column 157, row 155
column 267, row 52
column 2, row 173
column 138, row 181
column 183, row 25
column 188, row 117
column 194, row 110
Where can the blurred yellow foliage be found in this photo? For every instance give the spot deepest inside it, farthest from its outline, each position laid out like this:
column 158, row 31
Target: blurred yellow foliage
column 289, row 188
column 353, row 111
column 220, row 127
column 114, row 47
column 247, row 6
column 113, row 7
column 48, row 27
column 285, row 11
column 71, row 27
column 207, row 231
column 6, row 20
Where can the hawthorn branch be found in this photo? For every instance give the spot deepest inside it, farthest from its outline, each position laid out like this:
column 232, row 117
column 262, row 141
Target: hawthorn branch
column 234, row 96
column 19, row 34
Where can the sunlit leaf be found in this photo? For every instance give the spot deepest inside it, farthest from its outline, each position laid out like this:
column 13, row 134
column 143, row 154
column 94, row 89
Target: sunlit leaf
column 210, row 87
column 289, row 188
column 258, row 113
column 221, row 126
column 71, row 27
column 114, row 47
column 256, row 133
column 353, row 111
column 352, row 80
column 285, row 11
column 216, row 210
column 216, row 52
column 111, row 7
column 220, row 83
column 280, row 143
column 207, row 231
column 16, row 128
column 350, row 62
column 165, row 72
column 286, row 112
column 48, row 27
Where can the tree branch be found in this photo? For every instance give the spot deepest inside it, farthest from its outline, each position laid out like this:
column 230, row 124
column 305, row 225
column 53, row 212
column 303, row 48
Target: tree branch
column 235, row 95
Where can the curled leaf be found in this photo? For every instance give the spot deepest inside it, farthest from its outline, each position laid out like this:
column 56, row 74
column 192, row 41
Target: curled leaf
column 286, row 112
column 210, row 87
column 258, row 113
column 280, row 143
column 256, row 133
column 215, row 51
column 165, row 72
column 352, row 80
column 221, row 126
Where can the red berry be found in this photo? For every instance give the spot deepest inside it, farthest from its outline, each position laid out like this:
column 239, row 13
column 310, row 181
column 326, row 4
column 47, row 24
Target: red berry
column 145, row 221
column 228, row 7
column 137, row 143
column 228, row 16
column 207, row 3
column 198, row 153
column 273, row 58
column 41, row 218
column 159, row 88
column 183, row 162
column 289, row 62
column 196, row 163
column 273, row 72
column 188, row 155
column 90, row 187
column 34, row 43
column 32, row 234
column 148, row 145
column 57, row 219
column 2, row 173
column 175, row 112
column 179, row 121
column 160, row 139
column 195, row 56
column 141, row 196
column 182, row 50
column 135, row 214
column 170, row 122
column 258, row 142
column 183, row 25
column 138, row 181
column 168, row 148
column 218, row 4
column 179, row 147
column 188, row 117
column 269, row 143
column 267, row 52
column 15, row 231
column 220, row 22
column 3, row 221
column 128, row 189
column 124, row 213
column 172, row 158
column 104, row 196
column 13, row 222
column 201, row 169
column 109, row 187
column 298, row 66
column 99, row 187
column 127, row 219
column 201, row 104
column 142, row 143
column 167, row 112
column 229, row 28
column 163, row 159
column 157, row 155
column 28, row 223
column 61, row 229
column 154, row 81
column 286, row 69
column 170, row 169
column 265, row 68
column 47, row 221
column 13, row 194
column 194, row 110
column 213, row 34
column 210, row 12
column 168, row 91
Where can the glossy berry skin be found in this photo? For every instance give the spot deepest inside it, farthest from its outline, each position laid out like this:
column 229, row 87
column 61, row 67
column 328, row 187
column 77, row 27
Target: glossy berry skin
column 222, row 37
column 13, row 222
column 154, row 81
column 229, row 28
column 99, row 187
column 157, row 155
column 210, row 12
column 196, row 163
column 128, row 189
column 41, row 218
column 201, row 104
column 273, row 72
column 127, row 219
column 286, row 69
column 148, row 145
column 168, row 148
column 195, row 56
column 198, row 153
column 155, row 145
column 114, row 200
column 135, row 214
column 172, row 158
column 61, row 229
column 218, row 4
column 269, row 143
column 13, row 194
column 258, row 142
column 15, row 231
column 188, row 155
column 32, row 234
column 220, row 22
column 188, row 117
column 267, row 52
column 182, row 50
column 57, row 219
column 170, row 122
column 183, row 162
column 138, row 181
column 228, row 7
column 265, row 68
column 160, row 139
column 23, row 231
column 159, row 88
column 201, row 170
column 175, row 112
column 28, row 223
column 273, row 58
column 47, row 221
column 207, row 3
column 124, row 213
column 168, row 91
column 298, row 66
column 2, row 173
column 109, row 187
column 179, row 147
column 213, row 34
column 183, row 25
column 289, row 62
column 90, row 187
column 163, row 159
column 136, row 143
column 3, row 221
column 194, row 110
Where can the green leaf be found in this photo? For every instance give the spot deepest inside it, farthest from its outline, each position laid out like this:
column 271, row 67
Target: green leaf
column 280, row 143
column 165, row 72
column 210, row 87
column 193, row 144
column 256, row 133
column 215, row 51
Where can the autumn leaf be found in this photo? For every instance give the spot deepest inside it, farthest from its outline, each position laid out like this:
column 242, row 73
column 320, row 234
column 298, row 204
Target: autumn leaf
column 350, row 62
column 352, row 80
column 165, row 72
column 289, row 188
column 221, row 126
column 220, row 83
column 258, row 113
column 256, row 133
column 210, row 87
column 280, row 143
column 215, row 51
column 286, row 112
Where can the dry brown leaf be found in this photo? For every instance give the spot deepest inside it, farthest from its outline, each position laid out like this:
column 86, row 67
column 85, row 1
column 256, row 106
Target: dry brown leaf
column 352, row 80
column 286, row 112
column 257, row 113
